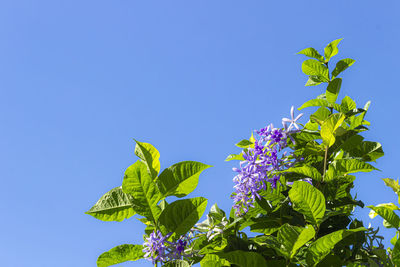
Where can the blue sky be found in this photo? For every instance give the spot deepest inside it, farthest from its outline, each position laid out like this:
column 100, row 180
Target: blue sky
column 80, row 79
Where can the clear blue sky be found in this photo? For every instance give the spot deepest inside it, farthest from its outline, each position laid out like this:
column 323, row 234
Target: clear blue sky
column 80, row 79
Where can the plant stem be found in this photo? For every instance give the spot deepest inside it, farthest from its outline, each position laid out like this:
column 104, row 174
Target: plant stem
column 325, row 160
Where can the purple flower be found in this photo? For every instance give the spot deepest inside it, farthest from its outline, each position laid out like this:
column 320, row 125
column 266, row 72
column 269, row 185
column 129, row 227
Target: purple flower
column 158, row 249
column 154, row 247
column 293, row 121
column 262, row 163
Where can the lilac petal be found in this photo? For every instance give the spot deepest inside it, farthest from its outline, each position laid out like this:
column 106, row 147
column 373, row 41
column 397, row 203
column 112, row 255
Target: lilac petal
column 298, row 116
column 292, row 112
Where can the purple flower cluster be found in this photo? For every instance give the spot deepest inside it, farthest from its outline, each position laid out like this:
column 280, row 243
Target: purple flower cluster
column 262, row 163
column 158, row 249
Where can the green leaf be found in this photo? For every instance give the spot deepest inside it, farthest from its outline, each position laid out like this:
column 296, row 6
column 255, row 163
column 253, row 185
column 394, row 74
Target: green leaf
column 307, row 171
column 348, row 104
column 180, row 179
column 244, row 143
column 181, row 215
column 243, row 258
column 120, row 254
column 396, row 253
column 235, row 157
column 311, row 52
column 333, row 90
column 319, row 249
column 319, row 103
column 114, row 205
column 320, row 115
column 177, row 263
column 308, row 200
column 140, row 185
column 149, row 155
column 386, row 213
column 293, row 237
column 315, row 68
column 212, row 260
column 368, row 151
column 347, row 166
column 313, row 81
column 341, row 66
column 314, row 103
column 329, row 127
column 331, row 49
column 394, row 184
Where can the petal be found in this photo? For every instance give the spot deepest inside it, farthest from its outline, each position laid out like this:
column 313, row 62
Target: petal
column 298, row 116
column 292, row 112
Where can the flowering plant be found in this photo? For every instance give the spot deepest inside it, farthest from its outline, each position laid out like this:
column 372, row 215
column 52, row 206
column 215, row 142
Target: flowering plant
column 292, row 200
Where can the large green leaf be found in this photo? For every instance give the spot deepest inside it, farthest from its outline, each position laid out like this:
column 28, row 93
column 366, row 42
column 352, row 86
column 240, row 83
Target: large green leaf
column 315, row 68
column 320, row 248
column 386, row 213
column 181, row 215
column 347, row 166
column 120, row 254
column 243, row 258
column 341, row 66
column 307, row 171
column 308, row 200
column 328, row 128
column 311, row 52
column 114, row 205
column 331, row 49
column 149, row 155
column 333, row 89
column 293, row 237
column 180, row 179
column 140, row 185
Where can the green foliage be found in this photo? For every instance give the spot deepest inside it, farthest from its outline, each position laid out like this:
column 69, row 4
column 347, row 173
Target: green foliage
column 307, row 219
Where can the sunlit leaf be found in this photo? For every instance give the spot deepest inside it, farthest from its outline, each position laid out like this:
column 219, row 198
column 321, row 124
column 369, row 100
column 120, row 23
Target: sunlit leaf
column 181, row 215
column 320, row 248
column 386, row 213
column 331, row 49
column 181, row 178
column 329, row 127
column 149, row 155
column 308, row 200
column 140, row 185
column 120, row 254
column 333, row 90
column 341, row 66
column 114, row 205
column 315, row 68
column 311, row 52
